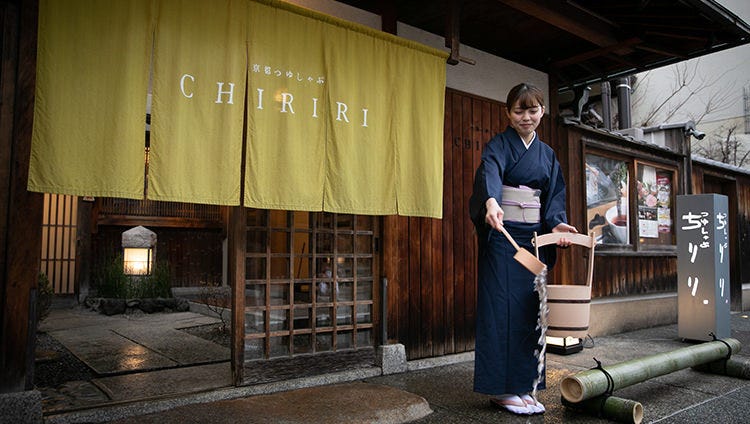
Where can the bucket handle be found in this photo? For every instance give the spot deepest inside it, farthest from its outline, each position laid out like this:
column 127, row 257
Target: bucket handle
column 588, row 241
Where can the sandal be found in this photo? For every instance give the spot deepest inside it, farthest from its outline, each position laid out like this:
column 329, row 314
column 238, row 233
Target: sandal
column 532, row 404
column 511, row 403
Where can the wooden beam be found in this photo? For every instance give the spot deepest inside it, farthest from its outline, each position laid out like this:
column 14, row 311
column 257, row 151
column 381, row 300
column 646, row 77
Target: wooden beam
column 596, row 53
column 598, row 36
column 453, row 26
column 158, row 221
column 662, row 52
column 388, row 17
column 700, row 38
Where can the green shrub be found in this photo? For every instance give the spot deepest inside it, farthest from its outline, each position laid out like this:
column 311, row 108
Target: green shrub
column 157, row 284
column 216, row 299
column 112, row 282
column 45, row 292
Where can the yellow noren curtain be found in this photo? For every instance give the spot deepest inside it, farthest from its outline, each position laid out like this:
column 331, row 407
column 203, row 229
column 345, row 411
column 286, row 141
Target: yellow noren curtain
column 339, row 117
column 287, row 110
column 418, row 133
column 368, row 130
column 360, row 156
column 198, row 101
column 90, row 108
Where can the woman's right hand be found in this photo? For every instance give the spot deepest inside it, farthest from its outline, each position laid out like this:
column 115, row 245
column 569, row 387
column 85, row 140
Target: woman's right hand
column 494, row 215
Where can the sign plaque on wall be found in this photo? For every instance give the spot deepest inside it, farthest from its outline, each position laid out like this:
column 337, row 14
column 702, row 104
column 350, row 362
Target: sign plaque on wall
column 702, row 266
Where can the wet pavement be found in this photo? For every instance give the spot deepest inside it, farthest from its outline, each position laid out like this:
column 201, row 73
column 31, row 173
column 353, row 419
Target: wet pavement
column 133, row 357
column 437, row 390
column 130, row 343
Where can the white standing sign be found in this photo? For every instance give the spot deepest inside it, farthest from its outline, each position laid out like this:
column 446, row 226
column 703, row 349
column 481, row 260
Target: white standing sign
column 703, row 266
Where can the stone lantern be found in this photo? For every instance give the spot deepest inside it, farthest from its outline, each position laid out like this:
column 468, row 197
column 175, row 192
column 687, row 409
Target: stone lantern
column 139, row 248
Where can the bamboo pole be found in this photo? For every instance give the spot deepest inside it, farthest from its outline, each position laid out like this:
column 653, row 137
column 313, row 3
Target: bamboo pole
column 733, row 367
column 592, row 383
column 609, row 407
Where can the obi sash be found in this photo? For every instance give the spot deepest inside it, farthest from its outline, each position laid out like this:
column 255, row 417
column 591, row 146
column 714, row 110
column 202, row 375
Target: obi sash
column 521, row 204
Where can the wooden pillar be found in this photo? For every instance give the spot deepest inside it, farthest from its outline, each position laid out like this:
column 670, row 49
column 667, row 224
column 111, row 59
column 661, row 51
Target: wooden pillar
column 569, row 157
column 391, row 272
column 84, row 249
column 236, row 242
column 21, row 211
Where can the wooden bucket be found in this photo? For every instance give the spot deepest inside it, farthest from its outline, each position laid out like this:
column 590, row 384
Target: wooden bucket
column 569, row 304
column 569, row 310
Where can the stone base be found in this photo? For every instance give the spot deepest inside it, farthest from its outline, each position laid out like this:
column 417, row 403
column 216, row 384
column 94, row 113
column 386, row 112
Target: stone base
column 620, row 314
column 391, row 358
column 21, row 407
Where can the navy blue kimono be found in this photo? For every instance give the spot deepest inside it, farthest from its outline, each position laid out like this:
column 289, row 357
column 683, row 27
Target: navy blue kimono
column 507, row 305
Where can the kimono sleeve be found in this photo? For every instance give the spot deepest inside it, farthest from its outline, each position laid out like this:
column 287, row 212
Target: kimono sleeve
column 488, row 181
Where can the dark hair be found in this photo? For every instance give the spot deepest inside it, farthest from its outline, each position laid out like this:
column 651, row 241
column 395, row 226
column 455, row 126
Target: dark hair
column 526, row 95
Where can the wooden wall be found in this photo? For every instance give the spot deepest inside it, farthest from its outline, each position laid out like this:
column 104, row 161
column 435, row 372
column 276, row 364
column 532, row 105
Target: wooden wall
column 617, row 271
column 430, row 263
column 708, row 178
column 626, row 275
column 742, row 246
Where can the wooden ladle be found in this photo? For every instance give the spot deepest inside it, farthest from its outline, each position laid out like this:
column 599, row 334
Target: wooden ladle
column 524, row 257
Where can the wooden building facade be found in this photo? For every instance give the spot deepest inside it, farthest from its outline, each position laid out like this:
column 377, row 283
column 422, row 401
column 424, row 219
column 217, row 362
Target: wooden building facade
column 307, row 283
column 428, row 264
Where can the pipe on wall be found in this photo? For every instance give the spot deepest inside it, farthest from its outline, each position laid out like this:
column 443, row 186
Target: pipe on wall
column 623, row 103
column 607, row 105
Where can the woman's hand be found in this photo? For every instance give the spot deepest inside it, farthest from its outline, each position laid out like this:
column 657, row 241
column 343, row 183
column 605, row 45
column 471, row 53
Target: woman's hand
column 564, row 228
column 494, row 215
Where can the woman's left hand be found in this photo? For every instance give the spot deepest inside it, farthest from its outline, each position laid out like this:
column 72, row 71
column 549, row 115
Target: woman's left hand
column 564, row 228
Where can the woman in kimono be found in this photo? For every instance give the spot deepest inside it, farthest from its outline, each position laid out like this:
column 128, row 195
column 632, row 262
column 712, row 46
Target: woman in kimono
column 518, row 185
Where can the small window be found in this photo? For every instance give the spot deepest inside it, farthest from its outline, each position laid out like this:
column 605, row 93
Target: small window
column 655, row 202
column 607, row 209
column 630, row 202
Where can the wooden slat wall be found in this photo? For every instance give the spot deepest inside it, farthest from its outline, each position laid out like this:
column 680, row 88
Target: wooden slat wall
column 117, row 206
column 130, row 212
column 430, row 263
column 616, row 275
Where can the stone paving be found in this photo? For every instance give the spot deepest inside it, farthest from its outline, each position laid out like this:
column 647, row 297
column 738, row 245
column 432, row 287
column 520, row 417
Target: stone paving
column 133, row 357
column 150, row 385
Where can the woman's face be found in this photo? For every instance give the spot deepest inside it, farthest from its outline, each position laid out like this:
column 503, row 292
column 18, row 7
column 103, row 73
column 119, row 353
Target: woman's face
column 525, row 120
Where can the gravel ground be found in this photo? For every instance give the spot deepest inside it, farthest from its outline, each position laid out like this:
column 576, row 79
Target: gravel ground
column 55, row 364
column 211, row 332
